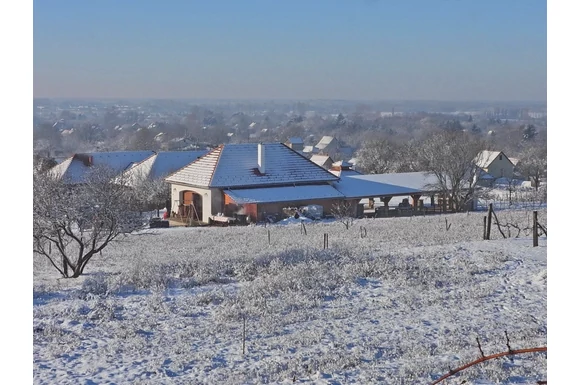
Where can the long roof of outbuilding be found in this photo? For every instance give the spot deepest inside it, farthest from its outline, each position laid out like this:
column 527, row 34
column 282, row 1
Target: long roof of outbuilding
column 163, row 163
column 378, row 185
column 74, row 169
column 284, row 194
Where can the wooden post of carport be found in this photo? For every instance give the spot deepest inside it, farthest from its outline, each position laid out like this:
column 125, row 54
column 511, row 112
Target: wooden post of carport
column 416, row 198
column 386, row 201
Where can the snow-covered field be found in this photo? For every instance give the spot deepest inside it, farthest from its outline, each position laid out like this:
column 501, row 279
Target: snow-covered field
column 402, row 305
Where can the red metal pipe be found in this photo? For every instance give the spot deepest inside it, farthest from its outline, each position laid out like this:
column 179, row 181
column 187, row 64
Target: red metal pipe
column 486, row 358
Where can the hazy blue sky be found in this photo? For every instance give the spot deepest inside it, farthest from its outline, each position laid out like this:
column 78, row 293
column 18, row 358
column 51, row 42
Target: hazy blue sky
column 295, row 49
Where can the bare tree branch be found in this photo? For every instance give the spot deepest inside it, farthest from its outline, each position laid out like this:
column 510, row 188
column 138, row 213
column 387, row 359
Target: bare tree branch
column 80, row 220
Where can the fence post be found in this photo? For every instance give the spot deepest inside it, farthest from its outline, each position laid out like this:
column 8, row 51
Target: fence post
column 484, row 227
column 268, row 236
column 243, row 335
column 489, row 211
column 363, row 232
column 535, row 229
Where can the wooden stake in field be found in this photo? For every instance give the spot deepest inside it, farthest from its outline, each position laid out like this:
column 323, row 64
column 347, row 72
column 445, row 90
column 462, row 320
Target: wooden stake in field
column 325, row 241
column 243, row 334
column 268, row 236
column 488, row 232
column 363, row 232
column 484, row 227
column 535, row 229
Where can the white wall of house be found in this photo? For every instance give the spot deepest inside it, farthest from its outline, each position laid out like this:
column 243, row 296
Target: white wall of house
column 212, row 199
column 501, row 167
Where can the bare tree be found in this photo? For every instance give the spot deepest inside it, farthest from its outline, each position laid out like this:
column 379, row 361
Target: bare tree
column 43, row 163
column 149, row 192
column 342, row 212
column 452, row 157
column 376, row 157
column 409, row 159
column 154, row 192
column 534, row 163
column 73, row 223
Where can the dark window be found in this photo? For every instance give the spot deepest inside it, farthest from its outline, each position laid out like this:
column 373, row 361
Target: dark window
column 500, row 157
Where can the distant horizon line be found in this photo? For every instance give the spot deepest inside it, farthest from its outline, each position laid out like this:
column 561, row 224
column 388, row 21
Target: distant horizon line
column 115, row 98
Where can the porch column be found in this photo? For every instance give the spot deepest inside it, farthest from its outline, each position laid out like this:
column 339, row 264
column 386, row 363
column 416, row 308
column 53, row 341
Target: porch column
column 386, row 201
column 432, row 200
column 416, row 198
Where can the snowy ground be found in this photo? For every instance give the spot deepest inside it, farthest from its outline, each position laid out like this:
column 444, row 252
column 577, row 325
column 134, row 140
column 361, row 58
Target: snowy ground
column 399, row 306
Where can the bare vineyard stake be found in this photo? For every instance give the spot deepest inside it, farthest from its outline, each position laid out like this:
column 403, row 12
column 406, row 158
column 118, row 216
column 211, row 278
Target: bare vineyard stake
column 243, row 334
column 489, row 211
column 268, row 236
column 542, row 228
column 303, row 229
column 535, row 229
column 484, row 227
column 479, row 346
column 498, row 226
column 363, row 232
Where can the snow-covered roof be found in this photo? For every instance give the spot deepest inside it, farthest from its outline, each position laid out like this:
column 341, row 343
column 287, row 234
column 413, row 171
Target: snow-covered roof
column 342, row 172
column 283, row 194
column 378, row 185
column 73, row 169
column 163, row 163
column 514, row 161
column 361, row 186
column 310, row 149
column 325, row 141
column 486, row 157
column 320, row 159
column 236, row 165
column 420, row 181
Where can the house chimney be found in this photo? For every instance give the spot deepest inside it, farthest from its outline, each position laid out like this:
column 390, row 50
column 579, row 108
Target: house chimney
column 261, row 158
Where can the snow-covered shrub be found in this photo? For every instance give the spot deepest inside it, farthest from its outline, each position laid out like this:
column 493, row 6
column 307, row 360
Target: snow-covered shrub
column 96, row 285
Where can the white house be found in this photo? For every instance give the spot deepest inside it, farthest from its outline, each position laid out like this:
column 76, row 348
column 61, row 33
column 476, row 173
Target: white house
column 495, row 163
column 249, row 179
